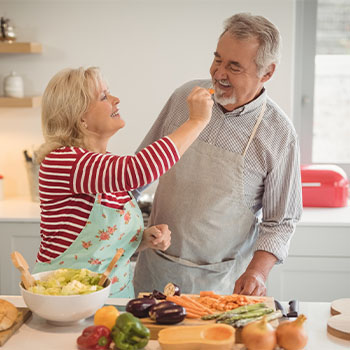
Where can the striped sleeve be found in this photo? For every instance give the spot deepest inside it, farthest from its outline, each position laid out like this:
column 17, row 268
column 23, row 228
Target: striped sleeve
column 280, row 215
column 101, row 173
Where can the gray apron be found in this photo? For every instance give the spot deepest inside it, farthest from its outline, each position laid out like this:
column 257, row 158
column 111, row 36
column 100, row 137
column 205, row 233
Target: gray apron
column 212, row 235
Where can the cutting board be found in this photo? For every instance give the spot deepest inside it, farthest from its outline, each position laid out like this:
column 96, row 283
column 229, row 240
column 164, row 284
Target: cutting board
column 156, row 328
column 339, row 324
column 23, row 315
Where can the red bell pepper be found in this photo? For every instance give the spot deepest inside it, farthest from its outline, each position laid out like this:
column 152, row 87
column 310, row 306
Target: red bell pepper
column 95, row 338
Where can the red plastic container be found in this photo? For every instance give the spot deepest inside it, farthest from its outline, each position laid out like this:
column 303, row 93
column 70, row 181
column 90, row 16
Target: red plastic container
column 324, row 186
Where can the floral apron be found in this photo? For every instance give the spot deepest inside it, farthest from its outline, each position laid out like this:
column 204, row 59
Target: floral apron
column 106, row 230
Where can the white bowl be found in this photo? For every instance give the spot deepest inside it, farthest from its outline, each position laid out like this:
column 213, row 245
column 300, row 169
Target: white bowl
column 64, row 310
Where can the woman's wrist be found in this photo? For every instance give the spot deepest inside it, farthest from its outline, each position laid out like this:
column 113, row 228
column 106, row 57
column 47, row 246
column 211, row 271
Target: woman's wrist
column 197, row 122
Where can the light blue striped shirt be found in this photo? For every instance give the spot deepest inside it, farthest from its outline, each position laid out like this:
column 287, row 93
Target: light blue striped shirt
column 271, row 178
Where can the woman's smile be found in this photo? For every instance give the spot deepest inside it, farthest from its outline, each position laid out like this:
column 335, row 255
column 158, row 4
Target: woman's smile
column 115, row 114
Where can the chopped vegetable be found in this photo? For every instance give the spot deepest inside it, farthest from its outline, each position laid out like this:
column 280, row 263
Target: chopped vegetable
column 225, row 302
column 68, row 282
column 210, row 294
column 269, row 317
column 106, row 316
column 158, row 295
column 139, row 307
column 251, row 314
column 191, row 309
column 239, row 310
column 94, row 338
column 211, row 91
column 172, row 289
column 129, row 333
column 167, row 312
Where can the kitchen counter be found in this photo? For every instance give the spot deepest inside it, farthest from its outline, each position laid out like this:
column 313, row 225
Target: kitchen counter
column 22, row 209
column 19, row 209
column 36, row 333
column 318, row 252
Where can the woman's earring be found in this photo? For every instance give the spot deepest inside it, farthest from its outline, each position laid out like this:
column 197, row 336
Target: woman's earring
column 85, row 125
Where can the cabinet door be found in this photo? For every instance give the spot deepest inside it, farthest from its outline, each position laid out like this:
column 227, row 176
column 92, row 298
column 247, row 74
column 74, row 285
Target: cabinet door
column 23, row 237
column 310, row 279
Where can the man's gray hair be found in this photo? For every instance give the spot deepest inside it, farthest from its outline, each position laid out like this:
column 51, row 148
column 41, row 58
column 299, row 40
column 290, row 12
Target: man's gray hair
column 244, row 26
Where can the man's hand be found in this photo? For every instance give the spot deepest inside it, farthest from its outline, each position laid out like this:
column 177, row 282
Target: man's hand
column 252, row 281
column 156, row 237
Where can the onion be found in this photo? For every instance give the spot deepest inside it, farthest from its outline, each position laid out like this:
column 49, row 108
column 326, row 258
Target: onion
column 259, row 335
column 291, row 335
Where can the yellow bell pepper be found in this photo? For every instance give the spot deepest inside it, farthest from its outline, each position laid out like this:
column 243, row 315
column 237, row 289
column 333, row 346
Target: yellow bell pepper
column 106, row 316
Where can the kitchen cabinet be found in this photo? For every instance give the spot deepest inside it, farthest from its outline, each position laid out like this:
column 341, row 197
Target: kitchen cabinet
column 20, row 48
column 20, row 236
column 19, row 230
column 318, row 265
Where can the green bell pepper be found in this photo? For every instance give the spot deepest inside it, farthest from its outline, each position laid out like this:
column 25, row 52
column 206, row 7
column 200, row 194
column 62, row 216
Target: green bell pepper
column 129, row 333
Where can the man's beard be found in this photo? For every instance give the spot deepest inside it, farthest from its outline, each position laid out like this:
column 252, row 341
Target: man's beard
column 224, row 101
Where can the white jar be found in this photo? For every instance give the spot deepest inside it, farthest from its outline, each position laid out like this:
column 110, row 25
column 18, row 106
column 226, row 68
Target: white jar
column 13, row 85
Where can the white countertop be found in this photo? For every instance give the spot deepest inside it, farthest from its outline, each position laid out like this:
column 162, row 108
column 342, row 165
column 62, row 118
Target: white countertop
column 36, row 333
column 19, row 209
column 23, row 210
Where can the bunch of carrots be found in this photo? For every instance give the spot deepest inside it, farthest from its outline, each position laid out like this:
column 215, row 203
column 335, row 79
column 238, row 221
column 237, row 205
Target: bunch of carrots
column 208, row 302
column 194, row 309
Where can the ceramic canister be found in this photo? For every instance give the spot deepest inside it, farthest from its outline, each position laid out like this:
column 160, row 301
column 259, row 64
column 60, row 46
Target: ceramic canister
column 13, row 85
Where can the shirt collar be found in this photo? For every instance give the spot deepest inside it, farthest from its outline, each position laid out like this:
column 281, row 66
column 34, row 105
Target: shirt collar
column 249, row 107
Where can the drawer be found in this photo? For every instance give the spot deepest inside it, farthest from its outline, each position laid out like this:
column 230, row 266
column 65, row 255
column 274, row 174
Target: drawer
column 328, row 241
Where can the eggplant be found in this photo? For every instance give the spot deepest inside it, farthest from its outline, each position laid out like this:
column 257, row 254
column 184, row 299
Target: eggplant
column 158, row 295
column 172, row 289
column 167, row 312
column 139, row 307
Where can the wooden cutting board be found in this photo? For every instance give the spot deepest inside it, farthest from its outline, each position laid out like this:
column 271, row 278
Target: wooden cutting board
column 23, row 315
column 339, row 324
column 156, row 328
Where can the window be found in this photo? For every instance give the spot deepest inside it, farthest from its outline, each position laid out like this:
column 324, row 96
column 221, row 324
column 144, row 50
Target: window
column 322, row 88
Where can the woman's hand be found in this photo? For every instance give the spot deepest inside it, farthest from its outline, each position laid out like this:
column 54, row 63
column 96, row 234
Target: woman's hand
column 156, row 237
column 200, row 104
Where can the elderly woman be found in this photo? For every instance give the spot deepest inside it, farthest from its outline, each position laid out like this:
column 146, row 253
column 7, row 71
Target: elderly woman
column 87, row 209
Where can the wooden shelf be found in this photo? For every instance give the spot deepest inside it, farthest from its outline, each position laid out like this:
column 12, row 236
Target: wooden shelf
column 27, row 101
column 17, row 47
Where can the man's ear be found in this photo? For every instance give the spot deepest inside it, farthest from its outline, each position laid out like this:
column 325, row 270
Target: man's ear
column 270, row 70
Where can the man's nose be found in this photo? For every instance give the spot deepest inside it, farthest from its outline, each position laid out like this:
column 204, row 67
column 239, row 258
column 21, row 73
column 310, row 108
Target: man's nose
column 220, row 73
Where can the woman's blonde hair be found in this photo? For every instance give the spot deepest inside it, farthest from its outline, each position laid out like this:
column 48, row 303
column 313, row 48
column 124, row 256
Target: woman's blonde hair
column 66, row 99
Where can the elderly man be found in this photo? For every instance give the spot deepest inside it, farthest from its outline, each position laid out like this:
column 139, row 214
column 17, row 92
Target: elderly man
column 233, row 200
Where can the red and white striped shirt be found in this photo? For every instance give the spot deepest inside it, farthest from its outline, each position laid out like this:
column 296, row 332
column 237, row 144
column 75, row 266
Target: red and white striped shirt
column 70, row 178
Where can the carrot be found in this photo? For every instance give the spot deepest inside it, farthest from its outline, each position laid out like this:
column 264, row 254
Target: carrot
column 209, row 294
column 207, row 301
column 191, row 315
column 224, row 302
column 211, row 91
column 194, row 302
column 188, row 306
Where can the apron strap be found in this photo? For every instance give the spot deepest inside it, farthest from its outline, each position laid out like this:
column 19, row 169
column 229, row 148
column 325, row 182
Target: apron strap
column 255, row 127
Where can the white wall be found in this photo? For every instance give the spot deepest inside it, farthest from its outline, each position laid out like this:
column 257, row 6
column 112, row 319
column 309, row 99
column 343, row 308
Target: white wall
column 144, row 48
